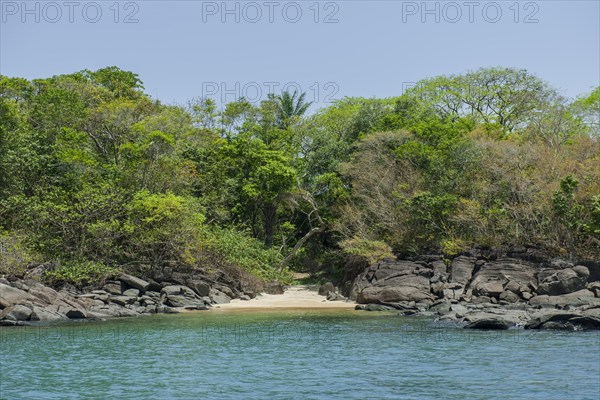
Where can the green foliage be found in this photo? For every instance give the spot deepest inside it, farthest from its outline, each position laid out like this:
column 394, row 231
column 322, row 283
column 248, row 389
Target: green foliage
column 371, row 250
column 94, row 173
column 15, row 254
column 82, row 273
column 250, row 254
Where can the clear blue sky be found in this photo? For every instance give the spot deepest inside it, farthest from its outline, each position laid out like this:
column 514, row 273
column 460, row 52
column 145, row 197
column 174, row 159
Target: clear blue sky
column 181, row 49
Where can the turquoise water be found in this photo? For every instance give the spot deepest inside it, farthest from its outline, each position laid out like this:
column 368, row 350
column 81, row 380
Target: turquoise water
column 293, row 354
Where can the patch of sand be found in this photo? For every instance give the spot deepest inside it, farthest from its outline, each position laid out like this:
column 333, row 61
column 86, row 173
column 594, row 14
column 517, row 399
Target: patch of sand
column 295, row 297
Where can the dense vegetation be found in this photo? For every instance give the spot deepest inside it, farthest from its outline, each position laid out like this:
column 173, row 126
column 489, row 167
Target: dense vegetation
column 98, row 177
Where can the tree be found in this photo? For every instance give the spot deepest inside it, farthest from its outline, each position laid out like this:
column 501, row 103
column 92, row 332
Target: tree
column 290, row 107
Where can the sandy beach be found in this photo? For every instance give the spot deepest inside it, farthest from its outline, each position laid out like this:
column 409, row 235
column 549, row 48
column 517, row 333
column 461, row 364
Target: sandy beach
column 295, row 297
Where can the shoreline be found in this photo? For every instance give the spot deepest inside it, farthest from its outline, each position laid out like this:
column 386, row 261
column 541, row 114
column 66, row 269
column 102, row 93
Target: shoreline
column 297, row 297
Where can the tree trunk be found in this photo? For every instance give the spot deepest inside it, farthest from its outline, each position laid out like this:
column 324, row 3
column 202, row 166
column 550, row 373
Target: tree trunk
column 270, row 215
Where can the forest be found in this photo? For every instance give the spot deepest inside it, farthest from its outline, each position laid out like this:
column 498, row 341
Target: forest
column 98, row 177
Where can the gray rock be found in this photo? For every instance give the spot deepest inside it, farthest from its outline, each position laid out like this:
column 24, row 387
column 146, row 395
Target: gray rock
column 173, row 290
column 183, row 301
column 76, row 314
column 218, row 297
column 488, row 323
column 10, row 295
column 131, row 292
column 134, row 282
column 373, row 307
column 274, row 288
column 563, row 282
column 113, row 288
column 245, row 297
column 17, row 312
column 581, row 297
column 200, row 287
column 561, row 320
column 166, row 310
column 45, row 315
column 513, row 286
column 413, row 288
column 526, row 295
column 122, row 300
column 325, row 288
column 332, row 296
column 509, row 296
column 461, row 270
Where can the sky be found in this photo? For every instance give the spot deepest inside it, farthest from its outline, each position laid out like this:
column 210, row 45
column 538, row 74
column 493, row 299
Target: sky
column 328, row 49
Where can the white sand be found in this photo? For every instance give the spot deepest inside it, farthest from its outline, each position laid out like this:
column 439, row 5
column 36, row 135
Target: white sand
column 295, row 297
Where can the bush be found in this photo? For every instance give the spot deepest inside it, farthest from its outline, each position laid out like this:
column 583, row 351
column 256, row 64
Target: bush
column 80, row 274
column 15, row 254
column 248, row 253
column 372, row 250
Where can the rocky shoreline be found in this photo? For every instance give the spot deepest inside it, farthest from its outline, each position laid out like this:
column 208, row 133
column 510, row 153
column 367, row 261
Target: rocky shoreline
column 475, row 290
column 483, row 289
column 26, row 301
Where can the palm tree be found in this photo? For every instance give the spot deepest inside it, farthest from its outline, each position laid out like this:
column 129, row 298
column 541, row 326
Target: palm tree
column 289, row 108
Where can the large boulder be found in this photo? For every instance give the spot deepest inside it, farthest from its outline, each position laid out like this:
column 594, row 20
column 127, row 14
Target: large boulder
column 403, row 288
column 393, row 281
column 325, row 288
column 488, row 323
column 218, row 297
column 273, row 288
column 564, row 281
column 10, row 295
column 17, row 312
column 200, row 287
column 510, row 274
column 134, row 282
column 461, row 270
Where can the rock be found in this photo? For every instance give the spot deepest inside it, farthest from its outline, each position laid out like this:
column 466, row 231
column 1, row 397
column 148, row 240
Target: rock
column 488, row 323
column 513, row 286
column 218, row 297
column 134, row 282
column 122, row 300
column 325, row 288
column 274, row 288
column 113, row 288
column 563, row 282
column 17, row 312
column 75, row 314
column 131, row 293
column 373, row 307
column 526, row 295
column 496, row 276
column 480, row 300
column 412, row 290
column 564, row 321
column 461, row 270
column 594, row 287
column 244, row 297
column 490, row 289
column 10, row 295
column 227, row 290
column 509, row 296
column 175, row 300
column 174, row 290
column 332, row 296
column 200, row 287
column 166, row 310
column 45, row 315
column 452, row 291
column 581, row 297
